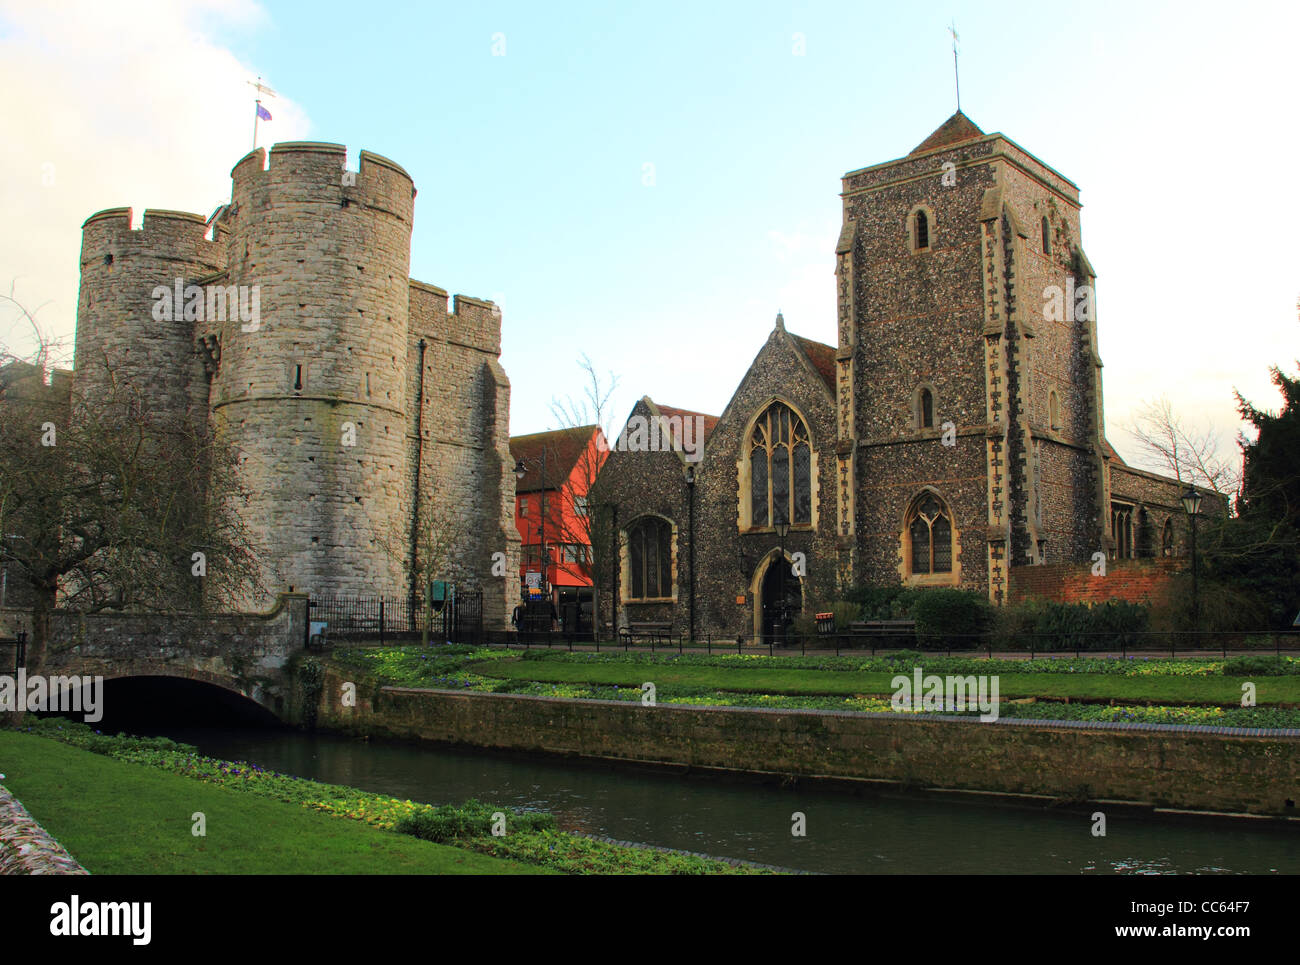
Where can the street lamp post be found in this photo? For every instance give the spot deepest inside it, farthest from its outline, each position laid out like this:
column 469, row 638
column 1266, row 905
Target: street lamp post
column 782, row 531
column 521, row 470
column 1191, row 505
column 690, row 525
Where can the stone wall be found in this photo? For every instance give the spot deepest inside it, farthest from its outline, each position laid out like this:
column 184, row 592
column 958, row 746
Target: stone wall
column 635, row 484
column 1143, row 764
column 26, row 848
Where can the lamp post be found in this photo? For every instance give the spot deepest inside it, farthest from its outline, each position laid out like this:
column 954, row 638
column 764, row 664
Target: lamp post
column 521, row 470
column 782, row 531
column 690, row 535
column 1191, row 505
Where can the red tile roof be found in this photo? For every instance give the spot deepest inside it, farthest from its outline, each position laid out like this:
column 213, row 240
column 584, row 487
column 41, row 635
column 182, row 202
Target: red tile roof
column 563, row 449
column 954, row 130
column 821, row 356
column 669, row 412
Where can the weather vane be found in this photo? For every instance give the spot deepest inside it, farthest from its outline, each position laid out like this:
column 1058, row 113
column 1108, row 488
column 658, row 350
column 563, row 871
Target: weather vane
column 952, row 29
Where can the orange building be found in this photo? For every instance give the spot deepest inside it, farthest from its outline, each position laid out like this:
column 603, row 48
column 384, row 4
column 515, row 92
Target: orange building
column 555, row 470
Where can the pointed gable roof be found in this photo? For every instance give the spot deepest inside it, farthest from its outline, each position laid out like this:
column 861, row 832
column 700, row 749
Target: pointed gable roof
column 682, row 414
column 954, row 130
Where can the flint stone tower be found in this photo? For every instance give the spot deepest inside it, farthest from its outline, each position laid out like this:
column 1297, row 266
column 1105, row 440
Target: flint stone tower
column 360, row 407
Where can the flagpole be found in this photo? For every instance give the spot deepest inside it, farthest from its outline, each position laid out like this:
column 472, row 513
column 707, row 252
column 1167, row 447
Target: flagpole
column 257, row 105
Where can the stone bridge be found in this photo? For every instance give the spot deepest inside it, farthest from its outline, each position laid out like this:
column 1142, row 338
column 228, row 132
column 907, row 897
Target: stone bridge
column 244, row 653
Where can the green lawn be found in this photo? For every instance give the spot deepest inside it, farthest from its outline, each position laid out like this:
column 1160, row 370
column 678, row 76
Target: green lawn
column 121, row 818
column 1164, row 689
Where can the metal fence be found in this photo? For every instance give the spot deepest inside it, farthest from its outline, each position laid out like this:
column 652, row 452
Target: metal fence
column 13, row 651
column 1026, row 647
column 384, row 619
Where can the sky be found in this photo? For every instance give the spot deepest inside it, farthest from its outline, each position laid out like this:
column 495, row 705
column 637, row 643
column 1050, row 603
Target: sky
column 648, row 185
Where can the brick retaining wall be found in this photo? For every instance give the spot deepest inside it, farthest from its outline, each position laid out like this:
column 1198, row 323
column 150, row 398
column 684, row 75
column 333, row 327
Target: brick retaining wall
column 1136, row 581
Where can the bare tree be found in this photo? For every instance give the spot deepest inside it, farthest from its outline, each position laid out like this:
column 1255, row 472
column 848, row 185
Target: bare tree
column 587, row 523
column 107, row 504
column 1167, row 444
column 440, row 532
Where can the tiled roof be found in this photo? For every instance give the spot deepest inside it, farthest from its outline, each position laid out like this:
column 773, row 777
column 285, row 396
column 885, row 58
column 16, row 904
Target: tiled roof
column 954, row 130
column 563, row 449
column 669, row 412
column 821, row 356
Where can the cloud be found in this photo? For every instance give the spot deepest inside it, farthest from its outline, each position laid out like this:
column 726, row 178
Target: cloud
column 113, row 105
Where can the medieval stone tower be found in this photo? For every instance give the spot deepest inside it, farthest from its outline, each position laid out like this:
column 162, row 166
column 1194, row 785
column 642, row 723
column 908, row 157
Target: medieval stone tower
column 966, row 405
column 361, row 408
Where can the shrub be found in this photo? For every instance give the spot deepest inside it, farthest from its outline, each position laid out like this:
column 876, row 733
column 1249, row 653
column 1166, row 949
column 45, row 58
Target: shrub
column 1112, row 625
column 1014, row 624
column 948, row 617
column 1260, row 666
column 470, row 820
column 882, row 602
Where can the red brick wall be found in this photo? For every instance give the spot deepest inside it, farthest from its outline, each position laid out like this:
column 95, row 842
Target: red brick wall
column 1137, row 581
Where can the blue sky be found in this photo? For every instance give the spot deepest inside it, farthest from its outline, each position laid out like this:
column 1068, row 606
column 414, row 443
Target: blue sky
column 1176, row 120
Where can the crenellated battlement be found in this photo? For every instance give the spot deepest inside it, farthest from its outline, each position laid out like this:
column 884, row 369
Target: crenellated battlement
column 316, row 172
column 470, row 321
column 179, row 235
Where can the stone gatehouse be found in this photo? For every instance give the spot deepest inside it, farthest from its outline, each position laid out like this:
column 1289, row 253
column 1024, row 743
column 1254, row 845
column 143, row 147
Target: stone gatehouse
column 366, row 407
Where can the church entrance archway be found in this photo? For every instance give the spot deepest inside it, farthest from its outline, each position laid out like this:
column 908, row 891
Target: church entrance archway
column 778, row 600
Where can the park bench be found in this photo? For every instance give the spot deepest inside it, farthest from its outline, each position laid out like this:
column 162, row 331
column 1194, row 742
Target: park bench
column 655, row 632
column 883, row 633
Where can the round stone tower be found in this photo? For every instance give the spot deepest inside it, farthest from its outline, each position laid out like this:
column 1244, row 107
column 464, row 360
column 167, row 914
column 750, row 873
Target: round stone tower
column 312, row 392
column 127, row 330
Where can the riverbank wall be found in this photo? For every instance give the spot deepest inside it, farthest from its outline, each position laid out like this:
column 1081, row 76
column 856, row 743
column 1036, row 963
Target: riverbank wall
column 1186, row 768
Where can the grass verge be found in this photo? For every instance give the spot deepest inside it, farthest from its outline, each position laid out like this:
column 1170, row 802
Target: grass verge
column 118, row 817
column 146, row 817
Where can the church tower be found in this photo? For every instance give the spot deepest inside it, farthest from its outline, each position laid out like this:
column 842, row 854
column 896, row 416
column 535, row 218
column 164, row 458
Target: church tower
column 968, row 382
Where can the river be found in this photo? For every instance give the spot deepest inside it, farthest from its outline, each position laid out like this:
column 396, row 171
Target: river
column 846, row 831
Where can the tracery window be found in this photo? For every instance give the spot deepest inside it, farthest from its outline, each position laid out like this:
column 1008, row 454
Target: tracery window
column 650, row 559
column 780, row 462
column 1121, row 526
column 929, row 536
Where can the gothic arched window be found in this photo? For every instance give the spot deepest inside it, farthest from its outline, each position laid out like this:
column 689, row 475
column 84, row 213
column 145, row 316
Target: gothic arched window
column 1167, row 539
column 650, row 559
column 780, row 464
column 929, row 536
column 1053, row 411
column 921, row 231
column 1047, row 237
column 1121, row 527
column 924, row 408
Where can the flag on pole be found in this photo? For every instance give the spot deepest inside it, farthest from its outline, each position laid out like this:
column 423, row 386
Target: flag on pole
column 262, row 112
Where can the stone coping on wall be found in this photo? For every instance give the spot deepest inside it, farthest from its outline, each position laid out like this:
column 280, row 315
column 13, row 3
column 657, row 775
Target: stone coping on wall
column 1288, row 732
column 26, row 848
